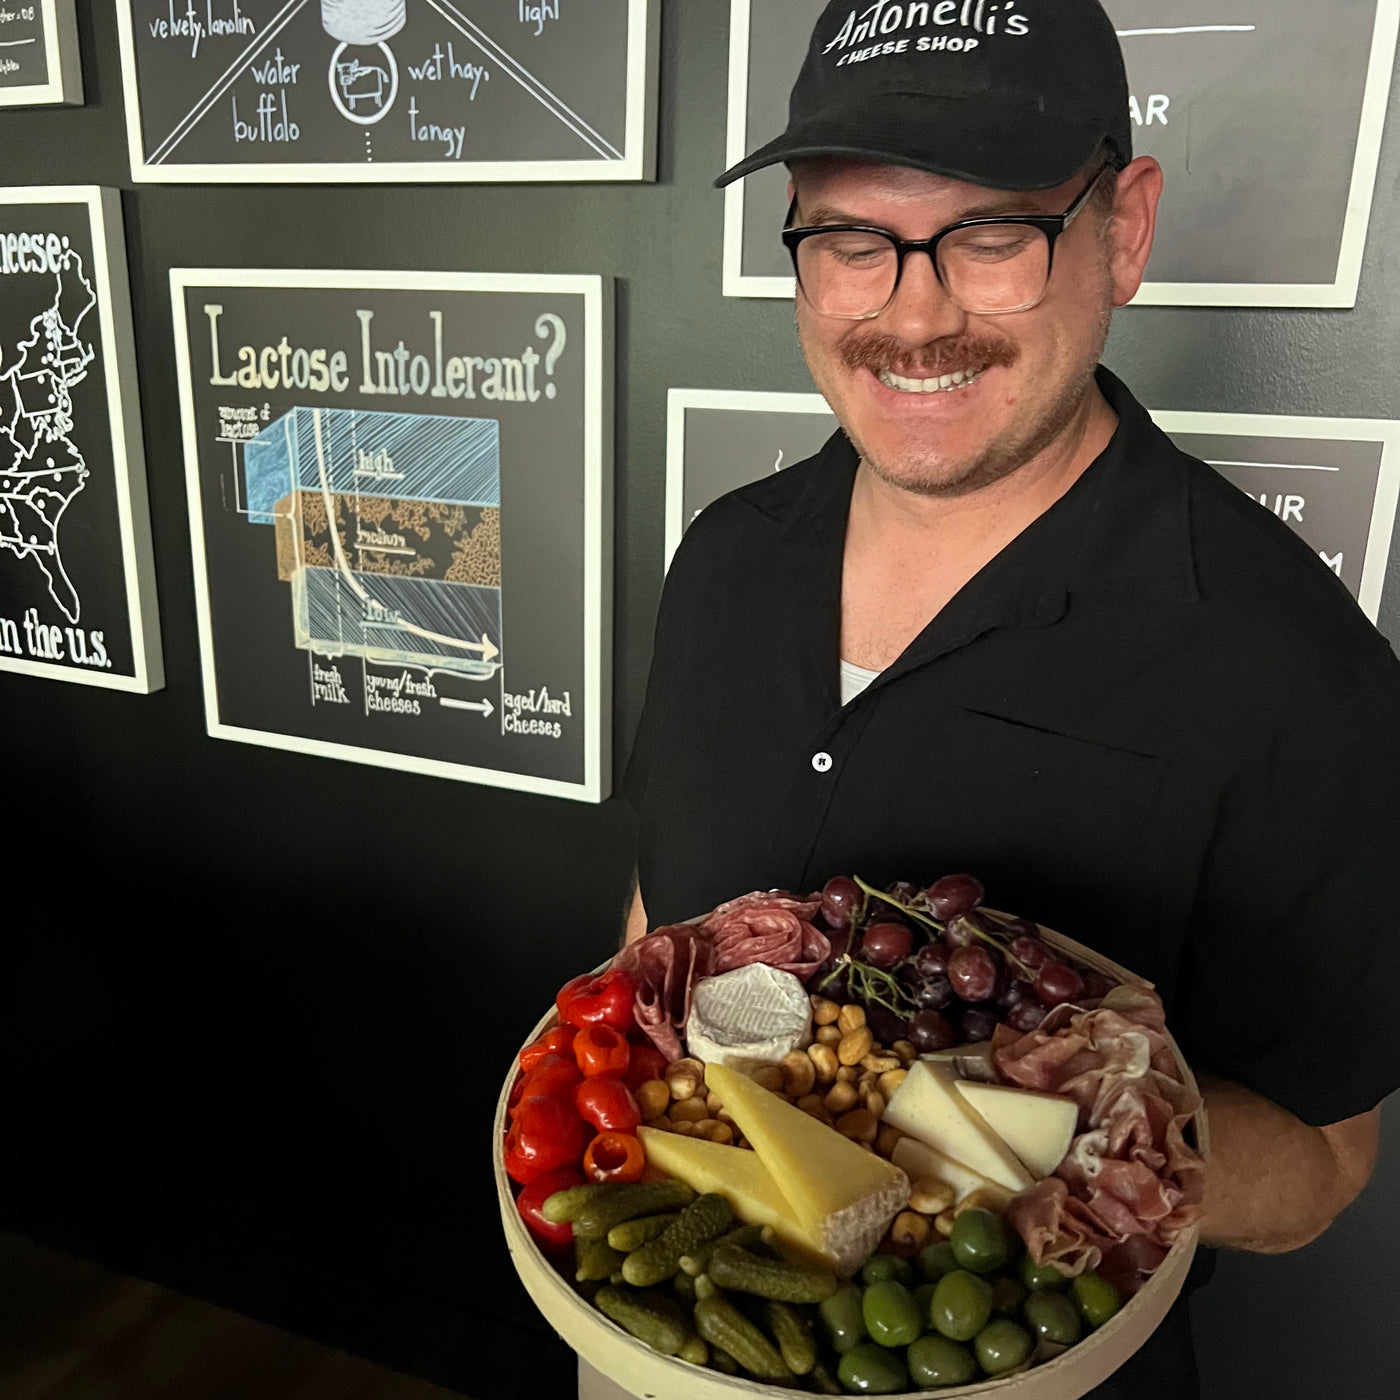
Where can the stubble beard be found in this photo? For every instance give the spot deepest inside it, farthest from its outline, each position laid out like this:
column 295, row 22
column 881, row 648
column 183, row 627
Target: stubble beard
column 925, row 470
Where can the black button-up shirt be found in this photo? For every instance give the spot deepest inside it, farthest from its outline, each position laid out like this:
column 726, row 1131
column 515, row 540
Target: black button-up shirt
column 1156, row 721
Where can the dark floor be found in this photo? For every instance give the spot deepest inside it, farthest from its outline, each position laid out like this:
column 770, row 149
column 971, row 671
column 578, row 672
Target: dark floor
column 71, row 1330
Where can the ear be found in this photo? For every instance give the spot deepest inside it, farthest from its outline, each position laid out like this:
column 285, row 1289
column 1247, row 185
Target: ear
column 1134, row 225
column 791, row 192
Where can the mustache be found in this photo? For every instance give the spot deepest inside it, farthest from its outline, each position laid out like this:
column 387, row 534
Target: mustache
column 879, row 353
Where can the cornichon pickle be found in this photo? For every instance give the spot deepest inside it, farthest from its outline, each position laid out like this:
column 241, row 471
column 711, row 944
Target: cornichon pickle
column 721, row 1324
column 595, row 1259
column 844, row 1318
column 705, row 1218
column 698, row 1259
column 790, row 1328
column 632, row 1233
column 650, row 1317
column 564, row 1206
column 820, row 1381
column 733, row 1267
column 695, row 1349
column 598, row 1216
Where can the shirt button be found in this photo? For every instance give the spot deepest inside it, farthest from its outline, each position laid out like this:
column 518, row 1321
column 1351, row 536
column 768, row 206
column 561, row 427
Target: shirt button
column 822, row 762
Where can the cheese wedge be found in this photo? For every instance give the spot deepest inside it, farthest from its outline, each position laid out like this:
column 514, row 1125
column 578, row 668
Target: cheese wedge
column 918, row 1160
column 740, row 1177
column 1037, row 1127
column 928, row 1106
column 841, row 1195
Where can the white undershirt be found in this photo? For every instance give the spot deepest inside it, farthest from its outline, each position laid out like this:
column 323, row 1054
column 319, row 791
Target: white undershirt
column 854, row 679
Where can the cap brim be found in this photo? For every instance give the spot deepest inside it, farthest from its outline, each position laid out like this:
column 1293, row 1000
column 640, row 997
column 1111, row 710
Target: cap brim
column 1018, row 149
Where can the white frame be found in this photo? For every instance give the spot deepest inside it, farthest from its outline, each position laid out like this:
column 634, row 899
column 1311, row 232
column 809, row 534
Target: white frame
column 65, row 70
column 597, row 293
column 1375, row 430
column 128, row 457
column 1341, row 292
column 637, row 163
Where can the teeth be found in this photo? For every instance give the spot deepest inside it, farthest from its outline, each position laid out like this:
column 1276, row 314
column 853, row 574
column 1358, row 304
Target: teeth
column 940, row 385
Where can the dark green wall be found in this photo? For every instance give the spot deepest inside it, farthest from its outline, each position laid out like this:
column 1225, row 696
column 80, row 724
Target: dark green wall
column 255, row 1006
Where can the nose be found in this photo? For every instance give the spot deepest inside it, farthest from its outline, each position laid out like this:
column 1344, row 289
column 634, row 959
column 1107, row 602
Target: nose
column 922, row 311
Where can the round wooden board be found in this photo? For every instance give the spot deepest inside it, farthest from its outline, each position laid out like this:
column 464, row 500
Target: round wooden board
column 649, row 1376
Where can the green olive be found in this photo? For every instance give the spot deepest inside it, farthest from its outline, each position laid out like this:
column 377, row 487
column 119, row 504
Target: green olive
column 1007, row 1295
column 1002, row 1346
column 979, row 1241
column 923, row 1295
column 1037, row 1276
column 961, row 1305
column 871, row 1370
column 1052, row 1317
column 936, row 1361
column 935, row 1260
column 1096, row 1298
column 892, row 1316
column 843, row 1318
column 883, row 1266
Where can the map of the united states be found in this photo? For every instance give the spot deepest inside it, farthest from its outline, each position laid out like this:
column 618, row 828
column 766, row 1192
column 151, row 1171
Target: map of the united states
column 42, row 470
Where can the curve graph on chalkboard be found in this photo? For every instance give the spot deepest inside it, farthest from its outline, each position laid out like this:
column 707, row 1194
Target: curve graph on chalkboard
column 1266, row 115
column 383, row 90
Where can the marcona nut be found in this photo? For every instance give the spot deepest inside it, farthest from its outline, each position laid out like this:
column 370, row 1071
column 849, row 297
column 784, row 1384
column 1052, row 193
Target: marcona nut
column 880, row 1063
column 887, row 1140
column 841, row 1098
column 906, row 1051
column 931, row 1196
column 689, row 1111
column 799, row 1073
column 860, row 1125
column 653, row 1098
column 850, row 1018
column 824, row 1062
column 824, row 1012
column 890, row 1081
column 855, row 1045
column 829, row 1035
column 943, row 1222
column 686, row 1078
column 769, row 1077
column 910, row 1230
column 982, row 1199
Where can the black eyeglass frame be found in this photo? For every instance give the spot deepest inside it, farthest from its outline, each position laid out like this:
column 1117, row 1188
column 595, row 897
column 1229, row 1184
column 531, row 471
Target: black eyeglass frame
column 1053, row 226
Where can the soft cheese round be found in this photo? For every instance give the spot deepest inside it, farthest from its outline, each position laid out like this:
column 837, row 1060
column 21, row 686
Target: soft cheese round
column 754, row 1015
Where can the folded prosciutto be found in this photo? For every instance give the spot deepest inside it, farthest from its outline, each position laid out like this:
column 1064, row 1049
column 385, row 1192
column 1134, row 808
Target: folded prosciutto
column 1130, row 1183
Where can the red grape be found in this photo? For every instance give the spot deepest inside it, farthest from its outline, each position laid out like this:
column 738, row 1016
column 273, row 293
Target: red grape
column 973, row 973
column 1096, row 985
column 1012, row 994
column 1032, row 951
column 934, row 992
column 885, row 944
column 885, row 1025
column 978, row 1024
column 962, row 932
column 1027, row 1015
column 932, row 959
column 1057, row 983
column 953, row 895
column 841, row 898
column 930, row 1032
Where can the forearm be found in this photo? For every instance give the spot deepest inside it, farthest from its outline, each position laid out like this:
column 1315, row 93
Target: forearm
column 636, row 925
column 1274, row 1183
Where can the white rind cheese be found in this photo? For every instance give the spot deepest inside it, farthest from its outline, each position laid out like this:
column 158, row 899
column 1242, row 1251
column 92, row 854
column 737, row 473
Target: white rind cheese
column 1037, row 1127
column 928, row 1106
column 752, row 1016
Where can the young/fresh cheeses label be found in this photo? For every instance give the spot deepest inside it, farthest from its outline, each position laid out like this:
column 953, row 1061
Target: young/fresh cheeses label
column 1038, row 1128
column 928, row 1106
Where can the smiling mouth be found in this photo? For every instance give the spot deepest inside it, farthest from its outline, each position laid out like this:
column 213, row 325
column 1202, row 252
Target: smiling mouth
column 943, row 384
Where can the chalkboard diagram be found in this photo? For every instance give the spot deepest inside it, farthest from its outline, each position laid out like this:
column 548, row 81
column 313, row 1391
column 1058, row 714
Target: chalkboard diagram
column 397, row 487
column 1266, row 115
column 1335, row 481
column 381, row 90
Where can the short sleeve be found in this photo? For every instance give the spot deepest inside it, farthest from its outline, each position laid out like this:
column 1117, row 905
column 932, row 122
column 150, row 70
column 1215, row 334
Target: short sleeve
column 1290, row 982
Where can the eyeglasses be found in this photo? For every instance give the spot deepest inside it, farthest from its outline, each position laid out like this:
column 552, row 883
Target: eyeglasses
column 988, row 266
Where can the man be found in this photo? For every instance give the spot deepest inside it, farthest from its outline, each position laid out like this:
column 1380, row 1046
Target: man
column 1000, row 624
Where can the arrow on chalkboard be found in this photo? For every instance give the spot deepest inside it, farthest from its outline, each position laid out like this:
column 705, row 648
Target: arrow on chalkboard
column 484, row 707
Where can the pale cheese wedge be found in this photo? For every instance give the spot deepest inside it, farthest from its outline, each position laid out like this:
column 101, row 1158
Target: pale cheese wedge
column 739, row 1176
column 928, row 1106
column 918, row 1160
column 1037, row 1127
column 840, row 1194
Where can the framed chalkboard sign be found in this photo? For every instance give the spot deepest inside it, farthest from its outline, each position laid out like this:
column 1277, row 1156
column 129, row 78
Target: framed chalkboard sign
column 1266, row 115
column 1336, row 481
column 77, row 582
column 375, row 91
column 39, row 65
column 400, row 507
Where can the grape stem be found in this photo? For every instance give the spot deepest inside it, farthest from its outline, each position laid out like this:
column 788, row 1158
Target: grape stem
column 924, row 918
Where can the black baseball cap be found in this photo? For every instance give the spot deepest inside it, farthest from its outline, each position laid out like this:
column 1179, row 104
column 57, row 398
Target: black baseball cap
column 1009, row 94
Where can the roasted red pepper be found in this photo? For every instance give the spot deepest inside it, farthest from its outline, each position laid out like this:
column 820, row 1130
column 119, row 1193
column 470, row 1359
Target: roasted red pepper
column 614, row 1157
column 551, row 1238
column 556, row 1074
column 608, row 1104
column 560, row 1038
column 588, row 1000
column 600, row 1049
column 546, row 1134
column 647, row 1062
